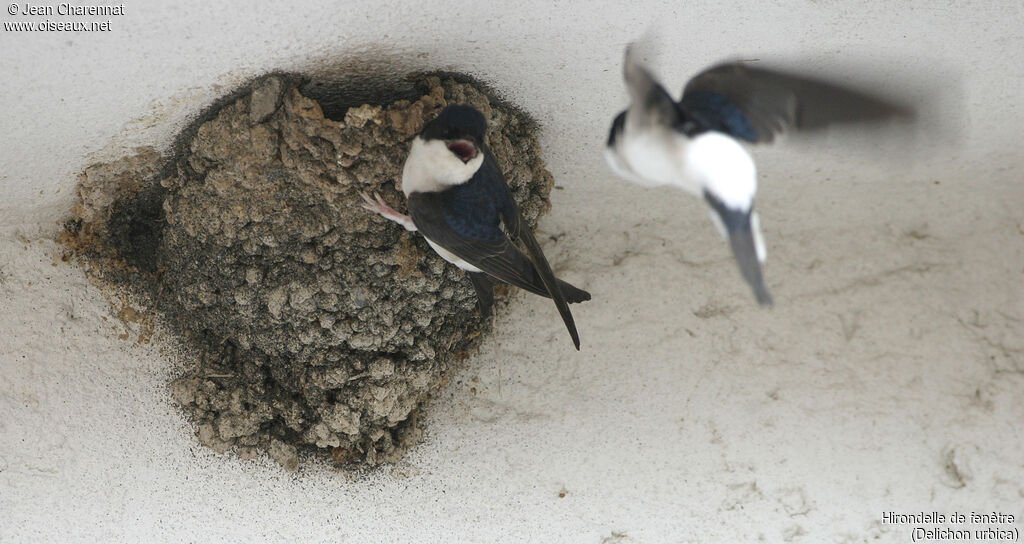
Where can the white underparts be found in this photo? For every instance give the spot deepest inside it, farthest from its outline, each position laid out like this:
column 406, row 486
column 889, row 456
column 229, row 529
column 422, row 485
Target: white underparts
column 648, row 156
column 451, row 257
column 621, row 169
column 432, row 167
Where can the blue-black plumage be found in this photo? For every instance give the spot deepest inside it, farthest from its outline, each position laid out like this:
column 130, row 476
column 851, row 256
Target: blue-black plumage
column 458, row 199
column 695, row 143
column 474, row 209
column 713, row 111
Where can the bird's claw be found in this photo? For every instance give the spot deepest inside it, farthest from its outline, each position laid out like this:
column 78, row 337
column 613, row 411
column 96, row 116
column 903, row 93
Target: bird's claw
column 379, row 206
column 369, row 203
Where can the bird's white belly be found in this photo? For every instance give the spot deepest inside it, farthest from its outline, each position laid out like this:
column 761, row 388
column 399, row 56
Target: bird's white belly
column 451, row 257
column 655, row 158
column 712, row 161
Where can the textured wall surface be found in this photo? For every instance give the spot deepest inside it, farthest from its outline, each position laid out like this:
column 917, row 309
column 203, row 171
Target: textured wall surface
column 888, row 377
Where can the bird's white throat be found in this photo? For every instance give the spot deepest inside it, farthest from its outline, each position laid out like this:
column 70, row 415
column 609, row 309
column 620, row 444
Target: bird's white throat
column 432, row 167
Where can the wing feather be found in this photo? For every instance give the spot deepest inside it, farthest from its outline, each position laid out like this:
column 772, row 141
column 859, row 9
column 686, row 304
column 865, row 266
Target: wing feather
column 771, row 101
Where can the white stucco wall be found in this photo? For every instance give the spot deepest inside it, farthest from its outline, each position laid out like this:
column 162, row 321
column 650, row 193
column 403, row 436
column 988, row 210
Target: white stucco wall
column 888, row 377
column 72, row 98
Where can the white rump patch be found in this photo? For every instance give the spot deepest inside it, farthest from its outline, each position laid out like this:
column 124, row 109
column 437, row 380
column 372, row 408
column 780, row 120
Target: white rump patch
column 721, row 165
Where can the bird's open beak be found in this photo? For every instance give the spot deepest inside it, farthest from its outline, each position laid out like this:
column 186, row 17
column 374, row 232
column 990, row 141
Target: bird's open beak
column 745, row 240
column 466, row 150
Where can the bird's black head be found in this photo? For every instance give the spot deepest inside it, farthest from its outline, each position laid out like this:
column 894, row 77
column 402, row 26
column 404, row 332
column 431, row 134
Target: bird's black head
column 461, row 127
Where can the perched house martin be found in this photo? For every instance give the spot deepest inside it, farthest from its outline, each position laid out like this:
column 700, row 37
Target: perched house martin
column 694, row 144
column 458, row 200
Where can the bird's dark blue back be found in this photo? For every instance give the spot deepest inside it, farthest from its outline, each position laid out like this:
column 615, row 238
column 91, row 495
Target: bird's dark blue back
column 473, row 209
column 715, row 112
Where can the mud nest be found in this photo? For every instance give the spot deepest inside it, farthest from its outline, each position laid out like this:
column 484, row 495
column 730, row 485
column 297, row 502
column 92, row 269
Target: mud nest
column 318, row 326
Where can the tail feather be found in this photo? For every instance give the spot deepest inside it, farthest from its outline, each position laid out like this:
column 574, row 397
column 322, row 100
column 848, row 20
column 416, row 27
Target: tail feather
column 484, row 287
column 572, row 293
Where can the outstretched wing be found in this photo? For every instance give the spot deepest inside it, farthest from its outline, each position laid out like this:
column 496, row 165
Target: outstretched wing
column 650, row 101
column 756, row 104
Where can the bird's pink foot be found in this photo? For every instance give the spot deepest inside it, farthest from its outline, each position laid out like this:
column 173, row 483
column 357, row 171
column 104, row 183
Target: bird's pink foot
column 378, row 206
